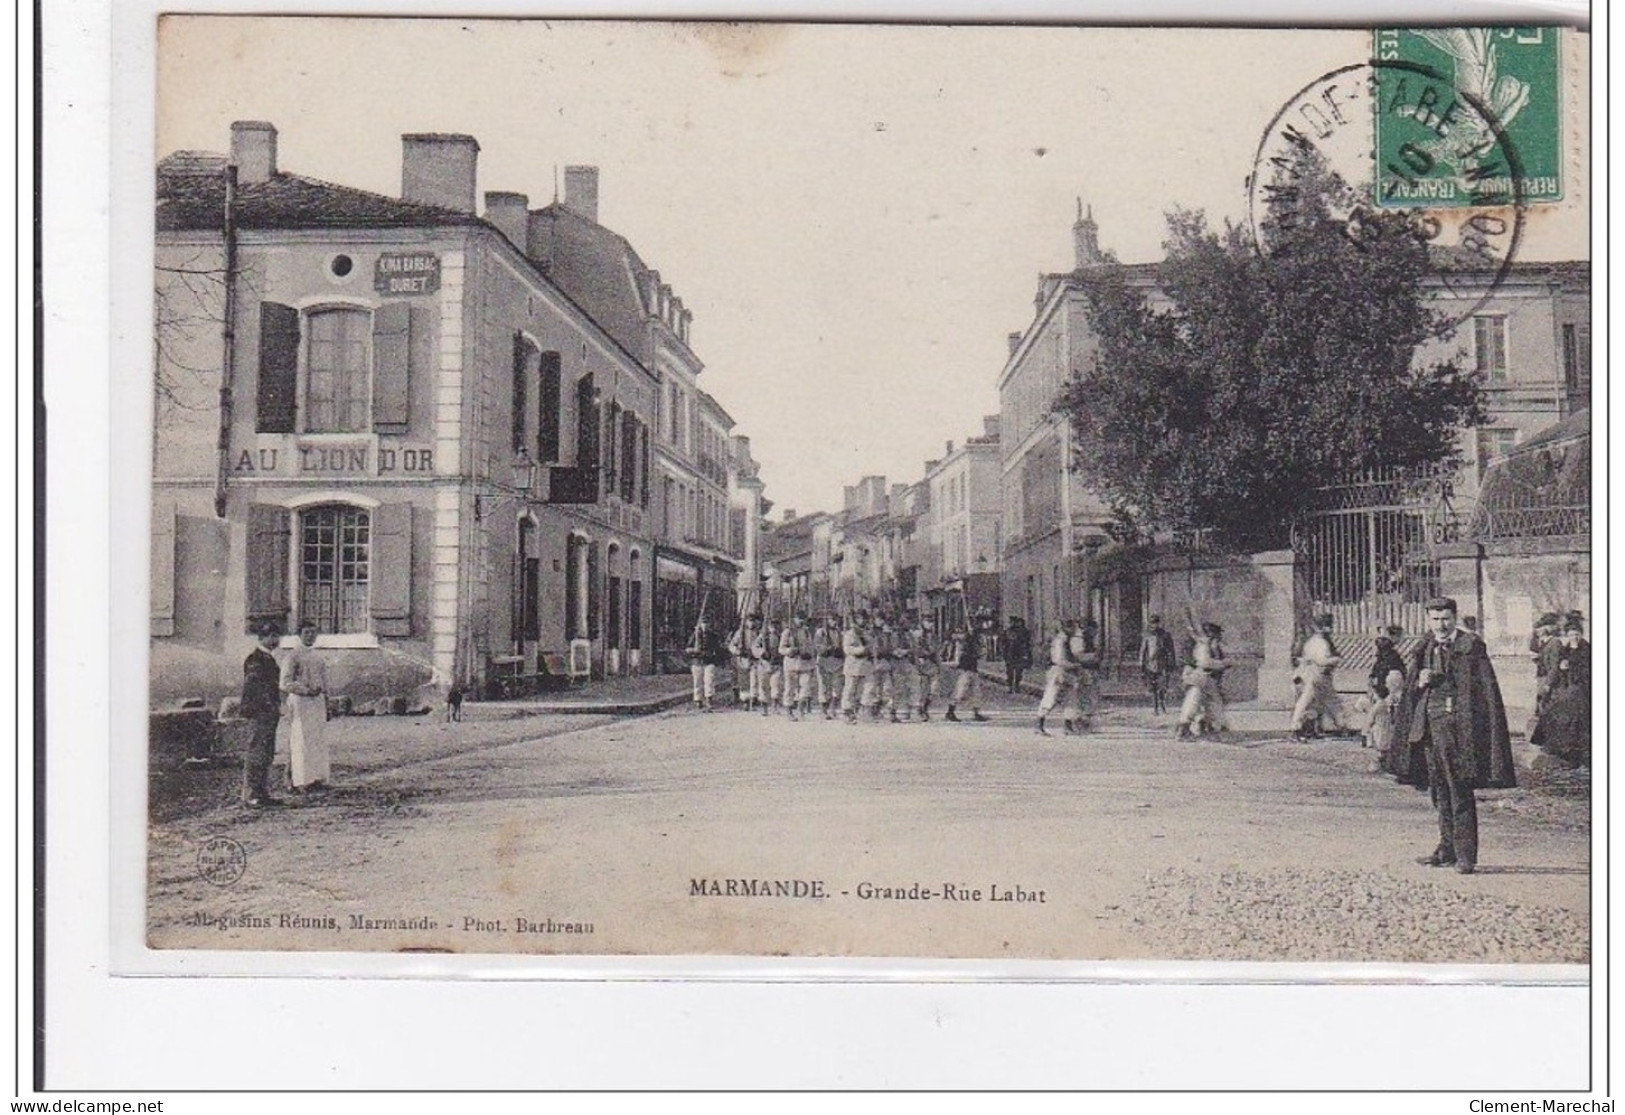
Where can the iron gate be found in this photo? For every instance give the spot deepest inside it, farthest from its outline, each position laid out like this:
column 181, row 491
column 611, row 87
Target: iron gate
column 1368, row 558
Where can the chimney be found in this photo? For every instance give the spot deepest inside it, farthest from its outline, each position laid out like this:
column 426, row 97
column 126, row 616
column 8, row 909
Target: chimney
column 581, row 191
column 438, row 169
column 675, row 321
column 990, row 425
column 253, row 151
column 539, row 237
column 950, row 451
column 663, row 309
column 1085, row 239
column 789, row 515
column 511, row 215
column 1015, row 342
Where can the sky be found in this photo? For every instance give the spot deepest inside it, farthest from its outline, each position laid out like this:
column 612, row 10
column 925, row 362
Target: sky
column 856, row 215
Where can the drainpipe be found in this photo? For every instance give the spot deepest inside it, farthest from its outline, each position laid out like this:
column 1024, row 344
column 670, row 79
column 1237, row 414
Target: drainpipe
column 228, row 340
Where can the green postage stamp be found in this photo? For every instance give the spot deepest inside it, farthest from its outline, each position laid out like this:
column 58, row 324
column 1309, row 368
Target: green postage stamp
column 1468, row 114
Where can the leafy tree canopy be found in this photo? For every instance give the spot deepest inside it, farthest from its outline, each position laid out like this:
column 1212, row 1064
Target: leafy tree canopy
column 1259, row 377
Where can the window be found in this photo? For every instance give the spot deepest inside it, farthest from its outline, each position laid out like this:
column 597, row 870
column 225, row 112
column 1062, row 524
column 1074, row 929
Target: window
column 1577, row 357
column 1490, row 346
column 336, row 381
column 1492, row 443
column 334, row 544
column 521, row 391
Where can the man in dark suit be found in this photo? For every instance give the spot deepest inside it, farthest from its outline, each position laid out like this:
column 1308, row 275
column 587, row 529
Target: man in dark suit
column 1459, row 723
column 262, row 707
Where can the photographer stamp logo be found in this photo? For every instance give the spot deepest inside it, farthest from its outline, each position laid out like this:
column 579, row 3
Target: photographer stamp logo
column 221, row 861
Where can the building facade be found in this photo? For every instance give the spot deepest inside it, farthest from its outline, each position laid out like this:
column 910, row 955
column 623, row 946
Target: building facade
column 379, row 415
column 1528, row 335
column 696, row 564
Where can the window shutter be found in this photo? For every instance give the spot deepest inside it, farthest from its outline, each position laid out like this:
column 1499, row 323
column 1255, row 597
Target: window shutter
column 594, row 590
column 269, row 529
column 392, row 369
column 520, row 394
column 549, row 410
column 643, row 441
column 587, row 431
column 391, row 572
column 612, row 421
column 572, row 550
column 163, row 567
column 278, row 391
column 629, row 456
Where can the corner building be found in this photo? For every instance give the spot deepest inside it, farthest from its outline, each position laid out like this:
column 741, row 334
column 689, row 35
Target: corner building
column 379, row 415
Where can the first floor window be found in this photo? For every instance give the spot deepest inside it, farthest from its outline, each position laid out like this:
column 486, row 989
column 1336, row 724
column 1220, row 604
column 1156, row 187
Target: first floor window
column 334, row 544
column 337, row 384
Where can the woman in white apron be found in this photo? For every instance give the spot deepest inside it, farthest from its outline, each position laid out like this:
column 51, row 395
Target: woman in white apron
column 304, row 680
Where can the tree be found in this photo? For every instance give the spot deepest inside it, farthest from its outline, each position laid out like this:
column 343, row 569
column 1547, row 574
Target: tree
column 1271, row 370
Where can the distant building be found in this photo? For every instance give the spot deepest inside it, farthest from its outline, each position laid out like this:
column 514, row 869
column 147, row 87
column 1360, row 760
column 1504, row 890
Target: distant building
column 963, row 531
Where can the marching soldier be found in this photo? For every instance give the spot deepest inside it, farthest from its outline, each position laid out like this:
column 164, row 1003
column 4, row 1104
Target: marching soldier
column 744, row 670
column 882, row 693
column 966, row 652
column 797, row 648
column 857, row 667
column 926, row 649
column 1061, row 679
column 704, row 652
column 1085, row 645
column 827, row 661
column 765, row 680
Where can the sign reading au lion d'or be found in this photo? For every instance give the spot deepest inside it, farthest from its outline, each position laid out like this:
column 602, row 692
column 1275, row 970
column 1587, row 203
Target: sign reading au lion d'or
column 1468, row 116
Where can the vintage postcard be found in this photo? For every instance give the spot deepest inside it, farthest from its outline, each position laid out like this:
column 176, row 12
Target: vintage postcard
column 862, row 491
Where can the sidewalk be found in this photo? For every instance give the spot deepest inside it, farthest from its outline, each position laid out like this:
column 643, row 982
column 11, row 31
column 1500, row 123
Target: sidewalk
column 628, row 696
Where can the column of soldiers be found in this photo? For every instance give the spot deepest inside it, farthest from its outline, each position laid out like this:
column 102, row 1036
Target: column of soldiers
column 873, row 666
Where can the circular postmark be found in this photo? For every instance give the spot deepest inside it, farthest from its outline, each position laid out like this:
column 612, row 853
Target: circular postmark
column 1405, row 151
column 221, row 861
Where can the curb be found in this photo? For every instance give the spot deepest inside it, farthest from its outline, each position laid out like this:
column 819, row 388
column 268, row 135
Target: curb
column 494, row 710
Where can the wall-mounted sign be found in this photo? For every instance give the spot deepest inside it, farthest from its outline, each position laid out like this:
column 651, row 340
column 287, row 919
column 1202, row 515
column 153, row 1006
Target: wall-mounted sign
column 407, row 273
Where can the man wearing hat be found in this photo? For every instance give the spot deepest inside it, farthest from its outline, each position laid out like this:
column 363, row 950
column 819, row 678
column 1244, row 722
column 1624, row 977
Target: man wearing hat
column 1158, row 661
column 1457, row 740
column 1317, row 663
column 261, row 706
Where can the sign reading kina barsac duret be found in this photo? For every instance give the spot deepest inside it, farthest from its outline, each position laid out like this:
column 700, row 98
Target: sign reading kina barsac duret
column 407, row 273
column 1487, row 129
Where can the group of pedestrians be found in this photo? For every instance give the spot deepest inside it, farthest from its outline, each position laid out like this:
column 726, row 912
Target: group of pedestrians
column 298, row 685
column 874, row 666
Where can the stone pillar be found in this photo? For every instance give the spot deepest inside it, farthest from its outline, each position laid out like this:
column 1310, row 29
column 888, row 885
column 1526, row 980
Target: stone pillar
column 1459, row 567
column 1278, row 623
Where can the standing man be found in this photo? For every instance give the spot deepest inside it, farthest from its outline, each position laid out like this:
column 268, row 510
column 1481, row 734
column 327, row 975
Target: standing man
column 1458, row 717
column 967, row 654
column 883, row 649
column 1158, row 660
column 1317, row 663
column 262, row 707
column 304, row 680
column 1018, row 652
